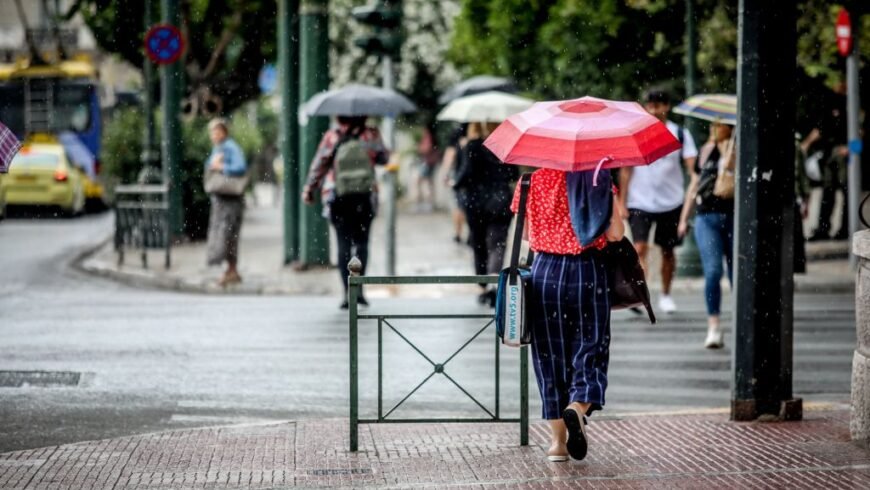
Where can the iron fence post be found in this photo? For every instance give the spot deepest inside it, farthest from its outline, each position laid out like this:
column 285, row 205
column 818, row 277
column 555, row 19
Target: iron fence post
column 524, row 396
column 355, row 269
column 497, row 374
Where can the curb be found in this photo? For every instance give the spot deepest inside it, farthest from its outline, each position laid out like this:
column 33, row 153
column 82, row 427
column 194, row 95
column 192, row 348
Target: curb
column 146, row 279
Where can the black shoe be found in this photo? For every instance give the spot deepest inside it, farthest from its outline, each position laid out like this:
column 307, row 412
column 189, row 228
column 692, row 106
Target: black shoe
column 343, row 305
column 362, row 300
column 635, row 310
column 577, row 445
column 457, row 239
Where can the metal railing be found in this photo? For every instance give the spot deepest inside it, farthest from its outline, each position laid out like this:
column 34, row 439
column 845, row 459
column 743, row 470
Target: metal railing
column 142, row 220
column 355, row 283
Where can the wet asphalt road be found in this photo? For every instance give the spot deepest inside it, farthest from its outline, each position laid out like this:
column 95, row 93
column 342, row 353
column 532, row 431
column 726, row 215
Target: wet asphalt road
column 143, row 361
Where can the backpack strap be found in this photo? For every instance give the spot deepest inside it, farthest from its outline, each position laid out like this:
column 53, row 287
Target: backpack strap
column 681, row 137
column 525, row 184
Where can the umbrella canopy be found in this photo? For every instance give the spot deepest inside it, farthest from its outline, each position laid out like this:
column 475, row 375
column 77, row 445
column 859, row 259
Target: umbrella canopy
column 9, row 146
column 486, row 107
column 582, row 134
column 358, row 100
column 476, row 85
column 720, row 108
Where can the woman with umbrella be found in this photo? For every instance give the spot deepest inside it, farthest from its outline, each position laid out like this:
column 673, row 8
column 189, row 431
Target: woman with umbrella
column 343, row 167
column 486, row 193
column 711, row 195
column 351, row 212
column 570, row 219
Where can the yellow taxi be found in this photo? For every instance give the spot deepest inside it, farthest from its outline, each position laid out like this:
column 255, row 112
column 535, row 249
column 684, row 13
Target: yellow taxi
column 42, row 175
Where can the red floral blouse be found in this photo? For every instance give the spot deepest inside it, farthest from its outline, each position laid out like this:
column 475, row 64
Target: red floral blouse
column 547, row 215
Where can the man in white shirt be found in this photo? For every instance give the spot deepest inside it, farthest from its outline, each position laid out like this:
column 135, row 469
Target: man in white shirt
column 654, row 194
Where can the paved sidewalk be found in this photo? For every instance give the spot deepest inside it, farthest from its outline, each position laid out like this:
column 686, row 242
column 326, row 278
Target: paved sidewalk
column 665, row 451
column 424, row 247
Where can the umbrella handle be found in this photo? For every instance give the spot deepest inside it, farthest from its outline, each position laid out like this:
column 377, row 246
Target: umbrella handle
column 598, row 169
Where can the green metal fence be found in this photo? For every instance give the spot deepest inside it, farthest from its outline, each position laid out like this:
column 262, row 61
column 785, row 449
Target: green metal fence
column 385, row 323
column 142, row 221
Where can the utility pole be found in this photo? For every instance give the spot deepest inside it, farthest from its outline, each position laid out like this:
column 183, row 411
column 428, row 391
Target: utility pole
column 170, row 100
column 763, row 244
column 689, row 259
column 314, row 78
column 385, row 17
column 288, row 74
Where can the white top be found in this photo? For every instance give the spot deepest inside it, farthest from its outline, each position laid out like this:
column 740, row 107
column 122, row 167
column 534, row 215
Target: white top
column 658, row 187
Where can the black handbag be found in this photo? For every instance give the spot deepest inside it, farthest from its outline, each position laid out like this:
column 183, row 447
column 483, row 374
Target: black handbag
column 512, row 300
column 625, row 278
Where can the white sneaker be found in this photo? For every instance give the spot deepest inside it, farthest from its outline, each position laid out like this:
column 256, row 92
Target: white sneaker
column 666, row 304
column 715, row 339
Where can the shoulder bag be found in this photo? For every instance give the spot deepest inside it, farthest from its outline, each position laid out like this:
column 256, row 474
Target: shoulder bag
column 512, row 309
column 216, row 182
column 625, row 278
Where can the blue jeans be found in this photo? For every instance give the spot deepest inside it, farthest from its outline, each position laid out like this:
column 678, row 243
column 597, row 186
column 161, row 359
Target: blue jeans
column 714, row 233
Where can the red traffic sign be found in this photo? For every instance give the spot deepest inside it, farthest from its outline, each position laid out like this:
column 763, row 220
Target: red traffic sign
column 844, row 33
column 164, row 44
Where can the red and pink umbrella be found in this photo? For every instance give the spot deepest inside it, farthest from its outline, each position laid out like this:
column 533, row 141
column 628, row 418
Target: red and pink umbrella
column 9, row 146
column 582, row 134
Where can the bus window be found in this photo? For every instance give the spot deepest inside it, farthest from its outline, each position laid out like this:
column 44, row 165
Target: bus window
column 12, row 107
column 72, row 107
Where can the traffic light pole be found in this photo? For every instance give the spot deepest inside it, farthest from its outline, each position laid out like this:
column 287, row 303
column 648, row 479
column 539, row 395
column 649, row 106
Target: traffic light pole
column 170, row 103
column 763, row 242
column 390, row 178
column 288, row 73
column 314, row 78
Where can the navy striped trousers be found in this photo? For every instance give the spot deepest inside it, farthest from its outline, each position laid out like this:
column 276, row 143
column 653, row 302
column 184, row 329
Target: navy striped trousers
column 570, row 330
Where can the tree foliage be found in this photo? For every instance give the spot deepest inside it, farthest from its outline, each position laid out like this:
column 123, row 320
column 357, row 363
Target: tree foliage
column 618, row 48
column 228, row 41
column 422, row 70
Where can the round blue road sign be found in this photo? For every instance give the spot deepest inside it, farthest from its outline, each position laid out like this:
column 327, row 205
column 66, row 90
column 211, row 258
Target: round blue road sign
column 163, row 44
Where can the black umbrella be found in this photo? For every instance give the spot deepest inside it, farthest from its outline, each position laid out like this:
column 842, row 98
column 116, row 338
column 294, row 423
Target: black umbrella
column 476, row 85
column 357, row 100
